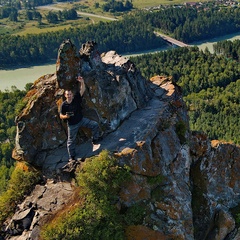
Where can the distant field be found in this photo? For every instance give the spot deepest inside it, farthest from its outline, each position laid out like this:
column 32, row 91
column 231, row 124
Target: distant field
column 23, row 26
column 151, row 3
column 32, row 27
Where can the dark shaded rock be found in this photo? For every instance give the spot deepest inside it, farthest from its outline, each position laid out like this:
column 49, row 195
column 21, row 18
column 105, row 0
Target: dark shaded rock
column 90, row 56
column 222, row 224
column 68, row 65
column 71, row 166
column 21, row 221
column 215, row 177
column 44, row 201
column 39, row 127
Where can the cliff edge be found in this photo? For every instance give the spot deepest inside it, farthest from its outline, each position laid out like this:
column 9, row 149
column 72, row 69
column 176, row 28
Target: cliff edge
column 145, row 124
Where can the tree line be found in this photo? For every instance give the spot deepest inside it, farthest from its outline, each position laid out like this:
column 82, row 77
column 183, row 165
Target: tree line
column 191, row 24
column 230, row 49
column 210, row 83
column 120, row 36
column 108, row 6
column 128, row 35
column 52, row 17
column 26, row 4
column 117, row 6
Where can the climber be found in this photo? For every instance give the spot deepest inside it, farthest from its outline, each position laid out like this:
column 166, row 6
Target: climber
column 71, row 111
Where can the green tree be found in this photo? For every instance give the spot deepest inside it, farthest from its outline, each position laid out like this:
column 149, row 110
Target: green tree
column 52, row 17
column 13, row 15
column 29, row 15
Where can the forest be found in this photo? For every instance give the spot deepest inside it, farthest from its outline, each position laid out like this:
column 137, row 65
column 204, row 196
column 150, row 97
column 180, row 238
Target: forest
column 124, row 36
column 210, row 83
column 117, row 6
column 191, row 24
column 120, row 36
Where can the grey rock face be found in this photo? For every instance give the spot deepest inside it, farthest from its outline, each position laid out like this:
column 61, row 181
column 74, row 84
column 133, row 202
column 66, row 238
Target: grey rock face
column 113, row 91
column 44, row 201
column 146, row 126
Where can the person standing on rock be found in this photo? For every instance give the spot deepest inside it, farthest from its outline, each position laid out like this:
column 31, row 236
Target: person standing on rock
column 71, row 110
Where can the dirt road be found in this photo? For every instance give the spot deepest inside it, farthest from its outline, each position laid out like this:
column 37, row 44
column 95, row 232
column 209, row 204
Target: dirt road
column 55, row 7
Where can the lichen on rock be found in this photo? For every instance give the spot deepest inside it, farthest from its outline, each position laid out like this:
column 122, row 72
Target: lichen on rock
column 187, row 184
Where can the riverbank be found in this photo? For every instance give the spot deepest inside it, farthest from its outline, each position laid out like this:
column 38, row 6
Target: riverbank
column 21, row 76
column 210, row 42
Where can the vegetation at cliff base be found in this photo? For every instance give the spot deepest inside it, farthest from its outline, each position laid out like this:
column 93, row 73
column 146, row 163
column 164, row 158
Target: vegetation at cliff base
column 97, row 217
column 21, row 182
column 11, row 102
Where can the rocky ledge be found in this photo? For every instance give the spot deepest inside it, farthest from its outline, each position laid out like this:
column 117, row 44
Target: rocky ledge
column 145, row 124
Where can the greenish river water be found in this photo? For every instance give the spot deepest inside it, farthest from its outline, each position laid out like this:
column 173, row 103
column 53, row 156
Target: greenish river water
column 21, row 76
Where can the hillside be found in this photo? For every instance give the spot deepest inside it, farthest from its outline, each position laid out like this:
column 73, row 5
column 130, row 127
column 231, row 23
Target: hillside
column 187, row 24
column 186, row 185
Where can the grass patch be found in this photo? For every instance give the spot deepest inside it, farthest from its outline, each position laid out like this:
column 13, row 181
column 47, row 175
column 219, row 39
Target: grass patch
column 139, row 4
column 96, row 216
column 31, row 29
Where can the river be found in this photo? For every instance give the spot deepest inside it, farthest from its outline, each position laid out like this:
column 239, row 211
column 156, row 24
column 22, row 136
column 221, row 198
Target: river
column 21, row 76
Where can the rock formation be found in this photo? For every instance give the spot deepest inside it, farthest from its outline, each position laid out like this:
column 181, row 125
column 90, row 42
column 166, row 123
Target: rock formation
column 145, row 123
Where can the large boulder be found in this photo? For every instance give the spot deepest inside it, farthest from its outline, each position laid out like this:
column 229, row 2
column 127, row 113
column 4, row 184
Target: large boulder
column 32, row 213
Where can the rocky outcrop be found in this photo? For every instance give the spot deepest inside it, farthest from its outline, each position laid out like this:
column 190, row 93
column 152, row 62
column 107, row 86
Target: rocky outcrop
column 36, row 208
column 215, row 177
column 146, row 126
column 115, row 88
